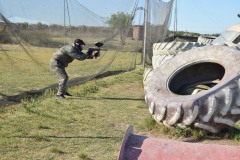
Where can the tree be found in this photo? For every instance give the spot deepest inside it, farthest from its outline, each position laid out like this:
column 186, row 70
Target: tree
column 120, row 21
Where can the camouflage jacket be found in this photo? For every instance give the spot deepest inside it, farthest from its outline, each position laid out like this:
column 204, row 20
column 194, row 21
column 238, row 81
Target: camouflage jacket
column 66, row 55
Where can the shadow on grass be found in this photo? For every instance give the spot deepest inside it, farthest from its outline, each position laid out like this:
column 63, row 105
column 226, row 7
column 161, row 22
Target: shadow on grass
column 107, row 98
column 226, row 134
column 69, row 137
column 15, row 99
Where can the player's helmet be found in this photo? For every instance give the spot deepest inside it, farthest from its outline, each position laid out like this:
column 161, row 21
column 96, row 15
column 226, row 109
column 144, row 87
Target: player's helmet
column 78, row 42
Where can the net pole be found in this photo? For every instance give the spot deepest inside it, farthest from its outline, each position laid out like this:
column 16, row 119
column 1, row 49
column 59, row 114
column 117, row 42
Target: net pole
column 145, row 33
column 64, row 19
column 175, row 20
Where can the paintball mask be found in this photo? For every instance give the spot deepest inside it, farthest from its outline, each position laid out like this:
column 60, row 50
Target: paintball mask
column 78, row 43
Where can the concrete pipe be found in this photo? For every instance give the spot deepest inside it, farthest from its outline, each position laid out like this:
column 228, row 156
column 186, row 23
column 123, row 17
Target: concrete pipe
column 136, row 147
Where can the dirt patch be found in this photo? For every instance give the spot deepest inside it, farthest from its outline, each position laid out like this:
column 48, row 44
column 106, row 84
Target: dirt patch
column 135, row 89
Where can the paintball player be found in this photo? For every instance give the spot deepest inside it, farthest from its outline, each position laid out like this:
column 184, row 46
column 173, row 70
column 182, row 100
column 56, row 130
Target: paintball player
column 62, row 58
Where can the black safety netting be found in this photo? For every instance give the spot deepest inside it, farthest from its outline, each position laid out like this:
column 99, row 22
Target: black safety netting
column 31, row 31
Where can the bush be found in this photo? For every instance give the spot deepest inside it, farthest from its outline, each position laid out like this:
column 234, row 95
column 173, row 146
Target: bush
column 38, row 38
column 5, row 37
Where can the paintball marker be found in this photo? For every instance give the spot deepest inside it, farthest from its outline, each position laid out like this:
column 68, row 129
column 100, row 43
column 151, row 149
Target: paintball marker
column 98, row 45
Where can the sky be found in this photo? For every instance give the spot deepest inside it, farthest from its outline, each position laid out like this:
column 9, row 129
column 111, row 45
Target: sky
column 82, row 12
column 201, row 16
column 207, row 16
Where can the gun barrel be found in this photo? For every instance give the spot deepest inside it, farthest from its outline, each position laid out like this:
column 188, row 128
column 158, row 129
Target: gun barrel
column 97, row 49
column 94, row 49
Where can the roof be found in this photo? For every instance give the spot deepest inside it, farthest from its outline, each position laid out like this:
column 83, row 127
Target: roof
column 235, row 28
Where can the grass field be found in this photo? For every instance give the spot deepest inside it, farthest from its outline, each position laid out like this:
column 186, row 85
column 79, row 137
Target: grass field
column 27, row 68
column 89, row 125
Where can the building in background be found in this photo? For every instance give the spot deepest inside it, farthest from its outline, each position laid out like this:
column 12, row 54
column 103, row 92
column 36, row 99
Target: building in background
column 137, row 32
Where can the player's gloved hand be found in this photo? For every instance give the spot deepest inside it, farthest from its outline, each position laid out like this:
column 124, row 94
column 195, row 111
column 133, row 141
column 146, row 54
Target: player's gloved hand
column 90, row 54
column 97, row 54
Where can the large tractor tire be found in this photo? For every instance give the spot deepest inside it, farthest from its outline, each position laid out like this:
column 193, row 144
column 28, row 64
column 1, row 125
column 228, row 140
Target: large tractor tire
column 198, row 88
column 147, row 75
column 162, row 52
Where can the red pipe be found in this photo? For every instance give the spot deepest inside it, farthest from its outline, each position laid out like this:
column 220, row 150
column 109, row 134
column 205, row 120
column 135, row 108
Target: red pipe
column 136, row 147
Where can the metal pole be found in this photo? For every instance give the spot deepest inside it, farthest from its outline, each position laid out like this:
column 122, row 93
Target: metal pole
column 176, row 16
column 145, row 33
column 64, row 17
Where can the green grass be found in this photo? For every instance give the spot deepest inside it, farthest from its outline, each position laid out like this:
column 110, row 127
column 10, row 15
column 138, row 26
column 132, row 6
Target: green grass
column 89, row 125
column 232, row 135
